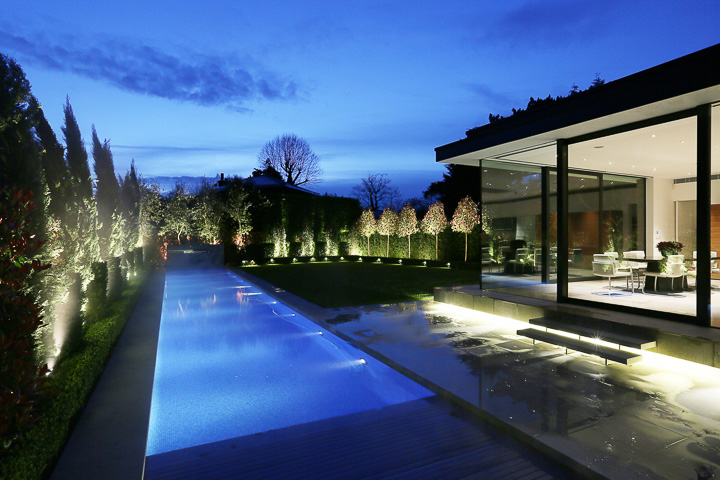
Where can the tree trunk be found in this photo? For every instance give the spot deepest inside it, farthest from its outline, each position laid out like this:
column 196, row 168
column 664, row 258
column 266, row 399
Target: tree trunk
column 466, row 247
column 436, row 245
column 368, row 246
column 408, row 246
column 388, row 247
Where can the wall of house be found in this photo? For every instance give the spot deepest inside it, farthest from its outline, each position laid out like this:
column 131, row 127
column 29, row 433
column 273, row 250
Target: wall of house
column 660, row 213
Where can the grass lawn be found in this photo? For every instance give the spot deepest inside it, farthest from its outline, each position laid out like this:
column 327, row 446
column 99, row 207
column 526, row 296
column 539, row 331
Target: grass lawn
column 347, row 284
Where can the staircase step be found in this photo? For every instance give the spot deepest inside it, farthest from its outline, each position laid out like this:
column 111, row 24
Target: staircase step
column 615, row 355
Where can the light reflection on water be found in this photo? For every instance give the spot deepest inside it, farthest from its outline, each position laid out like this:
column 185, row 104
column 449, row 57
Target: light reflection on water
column 232, row 362
column 657, row 419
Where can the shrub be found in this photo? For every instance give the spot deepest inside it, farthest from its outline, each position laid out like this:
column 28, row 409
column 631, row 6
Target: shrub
column 72, row 382
column 22, row 379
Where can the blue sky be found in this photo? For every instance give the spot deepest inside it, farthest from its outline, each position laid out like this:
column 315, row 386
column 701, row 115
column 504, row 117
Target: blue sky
column 197, row 88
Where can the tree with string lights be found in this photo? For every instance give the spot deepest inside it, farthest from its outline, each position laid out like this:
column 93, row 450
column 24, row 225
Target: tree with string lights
column 465, row 218
column 407, row 223
column 434, row 222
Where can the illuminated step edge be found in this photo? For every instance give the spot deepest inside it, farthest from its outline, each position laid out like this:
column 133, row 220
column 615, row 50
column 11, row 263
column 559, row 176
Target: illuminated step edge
column 614, row 355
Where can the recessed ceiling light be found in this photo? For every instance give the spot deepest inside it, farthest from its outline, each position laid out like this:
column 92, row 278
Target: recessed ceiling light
column 652, row 136
column 682, row 141
column 609, row 163
column 633, row 166
column 654, row 169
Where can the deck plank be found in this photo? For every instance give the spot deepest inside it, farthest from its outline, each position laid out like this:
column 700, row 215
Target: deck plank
column 427, row 442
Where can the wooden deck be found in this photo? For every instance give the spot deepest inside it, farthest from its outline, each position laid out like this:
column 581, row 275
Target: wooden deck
column 419, row 439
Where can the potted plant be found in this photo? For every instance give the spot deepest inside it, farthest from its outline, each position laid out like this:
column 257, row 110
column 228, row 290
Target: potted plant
column 666, row 249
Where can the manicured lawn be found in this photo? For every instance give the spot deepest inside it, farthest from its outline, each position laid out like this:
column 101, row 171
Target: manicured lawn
column 346, row 284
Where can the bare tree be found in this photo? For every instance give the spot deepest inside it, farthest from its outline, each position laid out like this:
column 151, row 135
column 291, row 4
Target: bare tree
column 376, row 192
column 293, row 158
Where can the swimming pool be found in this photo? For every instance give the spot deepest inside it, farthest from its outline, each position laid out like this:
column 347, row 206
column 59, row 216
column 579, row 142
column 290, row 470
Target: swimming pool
column 231, row 361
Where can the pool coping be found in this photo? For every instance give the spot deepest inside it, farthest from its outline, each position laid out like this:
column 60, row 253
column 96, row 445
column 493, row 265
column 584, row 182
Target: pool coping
column 319, row 315
column 109, row 438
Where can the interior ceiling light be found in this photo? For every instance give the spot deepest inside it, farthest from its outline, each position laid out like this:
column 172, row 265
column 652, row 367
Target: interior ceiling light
column 652, row 136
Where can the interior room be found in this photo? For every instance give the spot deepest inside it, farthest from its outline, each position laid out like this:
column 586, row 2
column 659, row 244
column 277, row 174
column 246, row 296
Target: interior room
column 629, row 189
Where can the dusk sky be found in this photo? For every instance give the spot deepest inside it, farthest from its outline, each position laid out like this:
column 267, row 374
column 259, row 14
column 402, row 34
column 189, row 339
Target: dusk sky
column 197, row 88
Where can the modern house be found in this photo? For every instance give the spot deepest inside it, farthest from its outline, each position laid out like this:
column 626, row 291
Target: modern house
column 578, row 192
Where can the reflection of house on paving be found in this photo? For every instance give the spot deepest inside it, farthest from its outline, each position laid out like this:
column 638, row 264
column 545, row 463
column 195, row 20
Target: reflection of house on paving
column 579, row 192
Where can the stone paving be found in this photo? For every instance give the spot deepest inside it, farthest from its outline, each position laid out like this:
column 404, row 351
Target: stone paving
column 656, row 419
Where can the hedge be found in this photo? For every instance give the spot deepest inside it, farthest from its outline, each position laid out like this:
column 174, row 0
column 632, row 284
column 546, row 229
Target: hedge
column 72, row 383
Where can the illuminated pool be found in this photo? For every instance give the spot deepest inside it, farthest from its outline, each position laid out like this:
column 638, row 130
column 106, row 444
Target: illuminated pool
column 231, row 361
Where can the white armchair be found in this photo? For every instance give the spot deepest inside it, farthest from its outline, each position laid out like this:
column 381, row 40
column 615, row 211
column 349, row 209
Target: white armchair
column 605, row 266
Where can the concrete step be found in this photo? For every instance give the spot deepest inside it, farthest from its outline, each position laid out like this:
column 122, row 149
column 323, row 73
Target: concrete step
column 633, row 341
column 615, row 355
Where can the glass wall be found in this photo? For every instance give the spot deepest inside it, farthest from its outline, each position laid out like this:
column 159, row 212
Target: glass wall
column 519, row 249
column 629, row 192
column 715, row 216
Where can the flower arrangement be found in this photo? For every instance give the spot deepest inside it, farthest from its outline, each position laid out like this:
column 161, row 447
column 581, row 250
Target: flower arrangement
column 669, row 248
column 666, row 249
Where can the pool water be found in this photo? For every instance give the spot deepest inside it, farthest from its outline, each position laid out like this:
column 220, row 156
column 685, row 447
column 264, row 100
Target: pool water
column 231, row 361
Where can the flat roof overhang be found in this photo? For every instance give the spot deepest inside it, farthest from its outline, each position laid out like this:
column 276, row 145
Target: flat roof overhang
column 664, row 90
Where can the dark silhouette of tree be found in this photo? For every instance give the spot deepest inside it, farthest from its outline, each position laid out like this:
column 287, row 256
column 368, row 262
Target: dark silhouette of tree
column 459, row 181
column 107, row 193
column 376, row 192
column 535, row 103
column 293, row 158
column 75, row 154
column 20, row 164
column 268, row 171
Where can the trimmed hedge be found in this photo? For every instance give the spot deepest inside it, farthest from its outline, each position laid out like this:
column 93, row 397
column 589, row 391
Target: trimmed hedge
column 71, row 382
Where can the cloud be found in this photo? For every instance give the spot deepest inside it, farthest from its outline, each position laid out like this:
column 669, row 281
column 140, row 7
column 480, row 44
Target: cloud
column 553, row 23
column 487, row 93
column 202, row 79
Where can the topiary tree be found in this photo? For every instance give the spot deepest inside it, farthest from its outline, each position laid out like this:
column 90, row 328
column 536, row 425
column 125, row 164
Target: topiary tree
column 407, row 223
column 434, row 222
column 367, row 226
column 387, row 225
column 465, row 218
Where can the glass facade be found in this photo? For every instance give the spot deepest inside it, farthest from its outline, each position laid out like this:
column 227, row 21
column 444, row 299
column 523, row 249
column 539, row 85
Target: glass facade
column 715, row 216
column 632, row 206
column 518, row 250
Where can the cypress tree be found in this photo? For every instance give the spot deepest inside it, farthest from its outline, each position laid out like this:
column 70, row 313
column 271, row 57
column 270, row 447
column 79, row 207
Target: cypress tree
column 107, row 193
column 76, row 155
column 57, row 175
column 130, row 205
